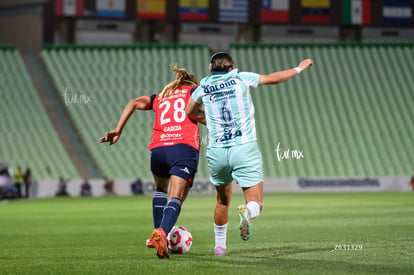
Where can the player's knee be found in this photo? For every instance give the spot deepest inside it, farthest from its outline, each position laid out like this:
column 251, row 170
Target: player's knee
column 224, row 201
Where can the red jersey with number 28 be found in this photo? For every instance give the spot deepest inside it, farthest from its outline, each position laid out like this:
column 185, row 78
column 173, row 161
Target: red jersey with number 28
column 172, row 126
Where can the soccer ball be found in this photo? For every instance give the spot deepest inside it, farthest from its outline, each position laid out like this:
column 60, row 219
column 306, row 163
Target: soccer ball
column 179, row 240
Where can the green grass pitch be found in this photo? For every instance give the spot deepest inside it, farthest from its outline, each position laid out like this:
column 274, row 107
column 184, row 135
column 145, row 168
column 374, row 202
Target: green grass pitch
column 312, row 233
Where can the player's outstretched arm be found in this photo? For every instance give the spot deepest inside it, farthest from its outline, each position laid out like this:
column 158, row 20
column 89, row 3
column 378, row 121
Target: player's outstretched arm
column 279, row 77
column 140, row 103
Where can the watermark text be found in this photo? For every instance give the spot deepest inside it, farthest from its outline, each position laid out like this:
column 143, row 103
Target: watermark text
column 287, row 153
column 71, row 98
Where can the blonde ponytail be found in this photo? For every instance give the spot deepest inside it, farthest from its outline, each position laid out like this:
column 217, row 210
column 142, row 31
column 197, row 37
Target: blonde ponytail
column 182, row 77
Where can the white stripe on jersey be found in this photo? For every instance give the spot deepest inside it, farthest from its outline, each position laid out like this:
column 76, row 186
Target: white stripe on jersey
column 242, row 111
column 216, row 127
column 211, row 89
column 252, row 121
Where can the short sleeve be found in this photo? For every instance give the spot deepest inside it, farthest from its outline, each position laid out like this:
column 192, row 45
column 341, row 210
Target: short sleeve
column 251, row 79
column 197, row 95
column 152, row 98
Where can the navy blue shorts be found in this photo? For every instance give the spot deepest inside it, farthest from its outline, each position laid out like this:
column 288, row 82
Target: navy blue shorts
column 180, row 160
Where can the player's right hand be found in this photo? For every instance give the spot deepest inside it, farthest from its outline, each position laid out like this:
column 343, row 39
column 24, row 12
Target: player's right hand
column 110, row 137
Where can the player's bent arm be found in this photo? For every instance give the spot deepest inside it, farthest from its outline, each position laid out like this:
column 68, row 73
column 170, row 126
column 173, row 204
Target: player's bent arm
column 195, row 111
column 199, row 118
column 282, row 76
column 141, row 103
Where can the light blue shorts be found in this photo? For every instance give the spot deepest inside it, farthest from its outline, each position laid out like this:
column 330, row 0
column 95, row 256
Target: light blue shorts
column 242, row 163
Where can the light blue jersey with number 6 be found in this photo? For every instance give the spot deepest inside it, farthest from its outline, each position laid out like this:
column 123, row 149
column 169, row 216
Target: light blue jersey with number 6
column 228, row 107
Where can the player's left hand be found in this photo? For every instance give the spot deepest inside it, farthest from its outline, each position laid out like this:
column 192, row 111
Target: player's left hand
column 305, row 64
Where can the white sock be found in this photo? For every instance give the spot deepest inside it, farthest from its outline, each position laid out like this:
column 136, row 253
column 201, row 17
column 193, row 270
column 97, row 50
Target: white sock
column 253, row 208
column 220, row 232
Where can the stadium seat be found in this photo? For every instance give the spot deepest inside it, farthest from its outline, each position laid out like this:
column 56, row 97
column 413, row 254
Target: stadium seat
column 349, row 113
column 111, row 77
column 28, row 137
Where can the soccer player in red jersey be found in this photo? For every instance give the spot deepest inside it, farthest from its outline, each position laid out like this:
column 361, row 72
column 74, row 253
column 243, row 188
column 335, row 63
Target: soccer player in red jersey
column 174, row 151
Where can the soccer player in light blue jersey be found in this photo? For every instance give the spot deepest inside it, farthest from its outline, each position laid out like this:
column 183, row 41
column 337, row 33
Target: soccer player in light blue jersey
column 232, row 152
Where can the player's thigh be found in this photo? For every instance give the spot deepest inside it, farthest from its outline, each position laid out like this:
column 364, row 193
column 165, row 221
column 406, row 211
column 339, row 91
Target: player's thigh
column 246, row 161
column 159, row 163
column 220, row 171
column 183, row 161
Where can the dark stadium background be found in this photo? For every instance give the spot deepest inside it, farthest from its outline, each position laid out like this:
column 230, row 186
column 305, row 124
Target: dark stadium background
column 65, row 78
